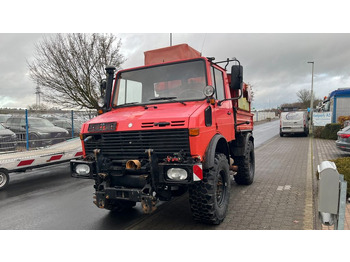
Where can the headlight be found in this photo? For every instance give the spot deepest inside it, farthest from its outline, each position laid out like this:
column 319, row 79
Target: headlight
column 209, row 91
column 177, row 174
column 82, row 169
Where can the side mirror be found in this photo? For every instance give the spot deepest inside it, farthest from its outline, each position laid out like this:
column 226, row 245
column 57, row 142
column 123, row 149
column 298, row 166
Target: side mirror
column 236, row 77
column 101, row 99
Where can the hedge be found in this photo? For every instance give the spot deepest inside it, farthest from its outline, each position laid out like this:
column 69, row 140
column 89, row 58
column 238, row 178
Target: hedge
column 343, row 167
column 327, row 132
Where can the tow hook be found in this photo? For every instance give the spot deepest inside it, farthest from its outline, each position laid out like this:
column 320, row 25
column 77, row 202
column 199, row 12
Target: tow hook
column 148, row 204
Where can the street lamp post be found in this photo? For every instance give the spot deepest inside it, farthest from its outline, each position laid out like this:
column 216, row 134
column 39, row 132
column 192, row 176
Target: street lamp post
column 312, row 96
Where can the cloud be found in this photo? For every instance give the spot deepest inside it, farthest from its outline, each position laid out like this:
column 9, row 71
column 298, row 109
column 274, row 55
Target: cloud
column 275, row 64
column 16, row 88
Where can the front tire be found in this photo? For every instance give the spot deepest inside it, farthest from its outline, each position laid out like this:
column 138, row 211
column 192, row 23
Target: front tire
column 209, row 198
column 246, row 166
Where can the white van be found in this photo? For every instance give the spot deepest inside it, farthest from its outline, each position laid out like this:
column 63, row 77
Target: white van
column 294, row 122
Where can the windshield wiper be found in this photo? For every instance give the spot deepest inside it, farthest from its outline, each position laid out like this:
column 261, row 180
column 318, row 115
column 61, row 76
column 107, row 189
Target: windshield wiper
column 167, row 98
column 126, row 104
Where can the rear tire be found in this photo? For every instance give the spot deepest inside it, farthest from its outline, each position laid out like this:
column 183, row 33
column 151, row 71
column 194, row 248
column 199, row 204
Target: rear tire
column 4, row 178
column 209, row 198
column 246, row 166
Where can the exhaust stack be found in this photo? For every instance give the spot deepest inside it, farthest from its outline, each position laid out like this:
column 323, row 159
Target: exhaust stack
column 110, row 77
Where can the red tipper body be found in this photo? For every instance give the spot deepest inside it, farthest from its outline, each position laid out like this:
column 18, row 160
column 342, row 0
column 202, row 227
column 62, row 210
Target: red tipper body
column 168, row 54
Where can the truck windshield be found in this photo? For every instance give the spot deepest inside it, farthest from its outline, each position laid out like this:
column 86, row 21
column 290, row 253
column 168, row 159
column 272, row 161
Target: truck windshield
column 183, row 81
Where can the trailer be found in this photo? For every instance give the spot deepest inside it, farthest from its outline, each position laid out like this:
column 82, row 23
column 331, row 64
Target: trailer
column 28, row 160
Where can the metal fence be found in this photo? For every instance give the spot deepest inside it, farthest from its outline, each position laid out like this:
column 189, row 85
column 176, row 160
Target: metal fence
column 30, row 129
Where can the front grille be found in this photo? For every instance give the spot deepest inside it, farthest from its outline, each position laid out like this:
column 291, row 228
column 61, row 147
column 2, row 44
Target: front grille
column 172, row 123
column 132, row 144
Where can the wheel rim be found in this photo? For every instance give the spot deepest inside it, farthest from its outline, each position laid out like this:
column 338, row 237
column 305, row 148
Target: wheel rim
column 220, row 188
column 3, row 179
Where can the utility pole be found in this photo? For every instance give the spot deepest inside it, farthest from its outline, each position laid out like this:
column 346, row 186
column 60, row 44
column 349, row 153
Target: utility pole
column 312, row 96
column 171, row 39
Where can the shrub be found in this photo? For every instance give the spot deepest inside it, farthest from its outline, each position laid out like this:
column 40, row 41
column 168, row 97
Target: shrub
column 317, row 131
column 330, row 131
column 343, row 167
column 342, row 119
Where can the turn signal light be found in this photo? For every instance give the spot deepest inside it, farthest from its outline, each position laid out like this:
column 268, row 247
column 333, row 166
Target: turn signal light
column 194, row 131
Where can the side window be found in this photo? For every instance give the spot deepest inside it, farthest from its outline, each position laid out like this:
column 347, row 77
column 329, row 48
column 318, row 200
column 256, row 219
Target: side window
column 129, row 92
column 21, row 122
column 218, row 81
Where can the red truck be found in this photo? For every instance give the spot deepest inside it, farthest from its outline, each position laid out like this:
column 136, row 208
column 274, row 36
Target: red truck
column 179, row 123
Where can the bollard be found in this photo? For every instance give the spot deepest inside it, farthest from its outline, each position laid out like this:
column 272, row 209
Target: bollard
column 331, row 195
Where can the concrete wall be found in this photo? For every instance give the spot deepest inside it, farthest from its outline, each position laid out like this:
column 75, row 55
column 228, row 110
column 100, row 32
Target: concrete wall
column 262, row 115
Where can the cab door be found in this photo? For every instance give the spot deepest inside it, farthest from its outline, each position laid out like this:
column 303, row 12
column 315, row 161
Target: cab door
column 223, row 114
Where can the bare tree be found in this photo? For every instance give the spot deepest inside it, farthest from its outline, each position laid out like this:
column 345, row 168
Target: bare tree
column 69, row 67
column 304, row 97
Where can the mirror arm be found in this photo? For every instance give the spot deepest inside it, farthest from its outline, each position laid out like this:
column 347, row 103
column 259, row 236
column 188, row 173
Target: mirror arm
column 234, row 98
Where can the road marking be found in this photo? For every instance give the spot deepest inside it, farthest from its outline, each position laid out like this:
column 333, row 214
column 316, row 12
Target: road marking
column 308, row 211
column 286, row 187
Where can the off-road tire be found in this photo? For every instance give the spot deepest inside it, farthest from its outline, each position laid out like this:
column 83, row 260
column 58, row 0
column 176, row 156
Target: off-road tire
column 4, row 178
column 209, row 198
column 119, row 206
column 246, row 166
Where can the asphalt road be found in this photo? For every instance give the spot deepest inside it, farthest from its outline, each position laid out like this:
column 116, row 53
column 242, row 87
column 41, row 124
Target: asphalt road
column 50, row 198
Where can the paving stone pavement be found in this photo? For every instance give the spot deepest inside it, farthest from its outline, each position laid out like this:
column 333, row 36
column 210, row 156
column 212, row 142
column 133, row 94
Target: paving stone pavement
column 325, row 150
column 277, row 200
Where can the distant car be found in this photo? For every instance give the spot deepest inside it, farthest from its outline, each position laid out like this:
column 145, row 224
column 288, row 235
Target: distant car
column 3, row 118
column 343, row 142
column 41, row 132
column 294, row 122
column 67, row 124
column 8, row 139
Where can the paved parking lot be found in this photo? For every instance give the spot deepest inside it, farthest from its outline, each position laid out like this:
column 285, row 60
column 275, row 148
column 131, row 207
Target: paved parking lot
column 280, row 197
column 325, row 150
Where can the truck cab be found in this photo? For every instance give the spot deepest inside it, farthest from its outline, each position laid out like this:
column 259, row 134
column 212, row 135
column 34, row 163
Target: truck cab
column 179, row 123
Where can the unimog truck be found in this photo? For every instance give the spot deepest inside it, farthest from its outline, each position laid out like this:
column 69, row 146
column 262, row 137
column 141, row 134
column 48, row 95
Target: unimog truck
column 179, row 123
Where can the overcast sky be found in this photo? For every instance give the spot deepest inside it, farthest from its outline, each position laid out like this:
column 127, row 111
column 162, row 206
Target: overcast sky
column 274, row 64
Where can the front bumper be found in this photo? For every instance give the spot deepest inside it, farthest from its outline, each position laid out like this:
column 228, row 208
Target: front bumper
column 158, row 173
